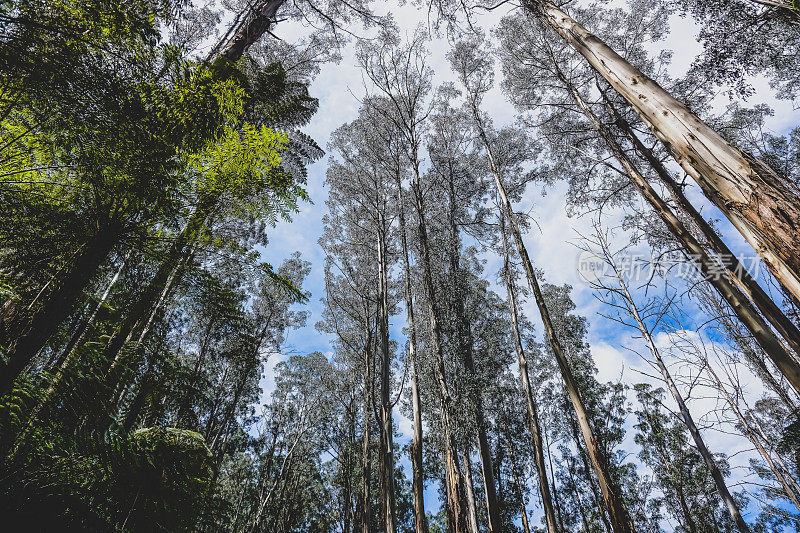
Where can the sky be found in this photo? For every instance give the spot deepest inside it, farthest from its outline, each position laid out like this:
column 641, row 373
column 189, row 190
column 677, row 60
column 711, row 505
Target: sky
column 551, row 244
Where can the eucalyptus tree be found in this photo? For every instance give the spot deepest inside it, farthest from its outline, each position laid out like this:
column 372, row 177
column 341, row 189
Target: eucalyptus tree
column 545, row 65
column 739, row 273
column 683, row 475
column 767, row 422
column 475, row 73
column 735, row 297
column 403, row 76
column 619, row 296
column 532, row 411
column 453, row 176
column 362, row 185
column 756, row 200
column 350, row 315
column 395, row 163
column 290, row 495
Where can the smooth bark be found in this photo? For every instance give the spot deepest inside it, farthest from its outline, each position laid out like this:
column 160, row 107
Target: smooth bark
column 686, row 416
column 764, row 207
column 386, row 467
column 709, row 267
column 532, row 411
column 366, row 454
column 761, row 442
column 612, row 497
column 738, row 272
column 418, row 484
column 473, row 511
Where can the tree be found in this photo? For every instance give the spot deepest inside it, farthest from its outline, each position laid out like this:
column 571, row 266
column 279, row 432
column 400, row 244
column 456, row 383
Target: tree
column 622, row 299
column 475, row 74
column 402, row 75
column 682, row 473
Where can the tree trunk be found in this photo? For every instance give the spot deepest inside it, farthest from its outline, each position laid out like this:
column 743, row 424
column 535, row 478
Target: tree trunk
column 739, row 273
column 418, row 483
column 612, row 497
column 520, row 494
column 764, row 207
column 44, row 323
column 785, row 7
column 578, row 502
column 246, row 29
column 740, row 305
column 686, row 416
column 178, row 251
column 65, row 362
column 473, row 511
column 126, row 353
column 455, row 483
column 77, row 337
column 556, row 502
column 366, row 459
column 185, row 412
column 533, row 415
column 387, row 446
column 26, row 336
column 464, row 339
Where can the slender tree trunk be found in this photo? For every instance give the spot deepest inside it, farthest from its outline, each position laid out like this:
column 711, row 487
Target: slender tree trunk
column 185, row 412
column 178, row 252
column 521, row 495
column 464, row 336
column 710, row 268
column 77, row 337
column 612, row 497
column 686, row 416
column 31, row 333
column 418, row 483
column 455, row 483
column 578, row 502
column 597, row 499
column 737, row 270
column 127, row 356
column 556, row 503
column 764, row 207
column 387, row 446
column 472, row 509
column 527, row 391
column 366, row 454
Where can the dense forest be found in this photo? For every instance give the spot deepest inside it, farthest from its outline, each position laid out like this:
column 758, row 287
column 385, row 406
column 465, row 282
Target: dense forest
column 153, row 370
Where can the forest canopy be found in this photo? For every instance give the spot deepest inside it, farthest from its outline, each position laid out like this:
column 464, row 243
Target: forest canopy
column 430, row 266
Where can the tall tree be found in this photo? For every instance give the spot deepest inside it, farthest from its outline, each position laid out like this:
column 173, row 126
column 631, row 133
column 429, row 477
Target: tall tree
column 637, row 315
column 403, row 76
column 476, row 75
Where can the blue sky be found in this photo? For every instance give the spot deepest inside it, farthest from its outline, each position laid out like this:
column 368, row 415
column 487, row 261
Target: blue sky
column 551, row 246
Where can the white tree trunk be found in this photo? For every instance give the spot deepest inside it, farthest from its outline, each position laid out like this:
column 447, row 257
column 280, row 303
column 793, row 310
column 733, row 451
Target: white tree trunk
column 764, row 207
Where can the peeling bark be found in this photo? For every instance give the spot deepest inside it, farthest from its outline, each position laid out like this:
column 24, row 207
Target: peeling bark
column 740, row 305
column 764, row 207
